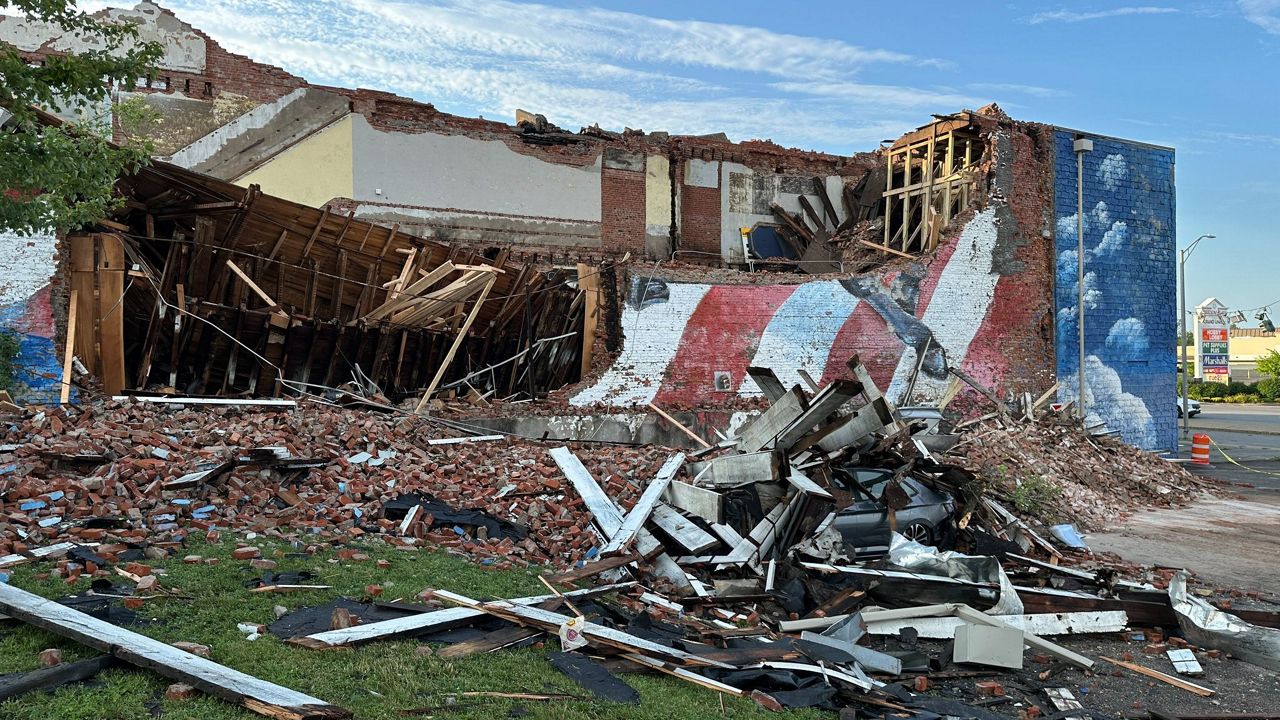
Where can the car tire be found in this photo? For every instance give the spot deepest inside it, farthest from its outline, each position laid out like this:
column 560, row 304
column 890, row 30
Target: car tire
column 919, row 532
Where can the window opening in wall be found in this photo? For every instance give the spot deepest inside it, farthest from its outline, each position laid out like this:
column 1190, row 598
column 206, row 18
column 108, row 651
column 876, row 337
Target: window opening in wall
column 186, row 85
column 208, row 88
column 930, row 175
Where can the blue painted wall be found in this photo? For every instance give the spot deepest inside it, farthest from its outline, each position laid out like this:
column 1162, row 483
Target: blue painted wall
column 1130, row 286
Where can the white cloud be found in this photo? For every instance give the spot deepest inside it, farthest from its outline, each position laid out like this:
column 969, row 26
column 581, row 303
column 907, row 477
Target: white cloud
column 1073, row 16
column 1127, row 339
column 584, row 65
column 1113, row 171
column 1014, row 88
column 1263, row 13
column 1108, row 402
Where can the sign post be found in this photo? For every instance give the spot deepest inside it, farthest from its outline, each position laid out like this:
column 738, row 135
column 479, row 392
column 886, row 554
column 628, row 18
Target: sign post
column 1212, row 341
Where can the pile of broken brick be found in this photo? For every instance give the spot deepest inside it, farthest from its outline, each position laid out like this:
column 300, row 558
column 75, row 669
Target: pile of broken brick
column 728, row 566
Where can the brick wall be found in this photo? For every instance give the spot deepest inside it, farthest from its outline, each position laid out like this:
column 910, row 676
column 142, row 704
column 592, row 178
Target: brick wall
column 699, row 224
column 622, row 211
column 1130, row 313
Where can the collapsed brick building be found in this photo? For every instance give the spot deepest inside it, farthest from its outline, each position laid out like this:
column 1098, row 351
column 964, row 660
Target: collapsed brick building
column 953, row 247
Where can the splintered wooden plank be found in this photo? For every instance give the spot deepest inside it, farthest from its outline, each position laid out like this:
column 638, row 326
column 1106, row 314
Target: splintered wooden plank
column 691, row 537
column 773, row 421
column 703, row 503
column 428, row 621
column 826, row 402
column 252, row 693
column 68, row 352
column 768, row 383
column 801, row 482
column 635, row 520
column 551, row 622
column 48, row 678
column 1157, row 675
column 730, row 471
column 608, row 518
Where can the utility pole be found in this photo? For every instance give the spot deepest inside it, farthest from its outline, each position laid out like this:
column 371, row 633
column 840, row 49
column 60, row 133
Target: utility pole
column 1081, row 146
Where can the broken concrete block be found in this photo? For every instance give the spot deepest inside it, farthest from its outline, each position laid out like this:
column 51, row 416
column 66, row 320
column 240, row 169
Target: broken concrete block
column 985, row 645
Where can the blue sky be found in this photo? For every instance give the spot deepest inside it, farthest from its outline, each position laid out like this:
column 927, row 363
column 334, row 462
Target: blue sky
column 838, row 77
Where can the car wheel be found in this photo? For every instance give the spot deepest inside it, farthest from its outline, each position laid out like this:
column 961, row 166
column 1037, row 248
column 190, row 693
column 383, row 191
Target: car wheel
column 918, row 532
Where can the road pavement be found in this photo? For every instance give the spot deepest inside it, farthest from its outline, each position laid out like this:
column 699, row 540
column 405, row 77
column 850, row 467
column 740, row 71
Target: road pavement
column 1250, row 418
column 1232, row 538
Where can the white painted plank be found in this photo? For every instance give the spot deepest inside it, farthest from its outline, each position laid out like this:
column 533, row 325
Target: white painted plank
column 691, row 537
column 703, row 503
column 777, row 418
column 635, row 520
column 551, row 620
column 435, row 620
column 208, row 676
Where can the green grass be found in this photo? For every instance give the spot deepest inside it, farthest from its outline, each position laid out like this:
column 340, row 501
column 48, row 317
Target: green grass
column 376, row 681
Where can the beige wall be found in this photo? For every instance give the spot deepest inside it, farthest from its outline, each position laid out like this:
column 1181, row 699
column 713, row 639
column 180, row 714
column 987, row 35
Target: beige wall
column 1247, row 349
column 312, row 172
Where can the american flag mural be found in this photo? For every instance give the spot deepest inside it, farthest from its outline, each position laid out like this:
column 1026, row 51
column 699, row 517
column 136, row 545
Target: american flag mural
column 679, row 335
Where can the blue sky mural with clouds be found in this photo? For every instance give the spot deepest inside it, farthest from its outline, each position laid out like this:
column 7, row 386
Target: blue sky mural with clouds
column 1130, row 315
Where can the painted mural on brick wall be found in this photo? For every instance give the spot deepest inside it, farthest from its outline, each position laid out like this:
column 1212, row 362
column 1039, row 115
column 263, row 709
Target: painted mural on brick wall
column 25, row 310
column 680, row 336
column 1129, row 284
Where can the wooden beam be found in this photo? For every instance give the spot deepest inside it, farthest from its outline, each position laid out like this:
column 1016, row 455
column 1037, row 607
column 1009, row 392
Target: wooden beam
column 462, row 333
column 48, row 678
column 597, row 634
column 883, row 248
column 686, row 533
column 608, row 518
column 635, row 519
column 826, row 402
column 589, row 284
column 111, row 271
column 773, row 421
column 252, row 693
column 315, row 233
column 426, row 622
column 68, row 352
column 272, row 305
column 1157, row 675
column 768, row 383
column 679, row 426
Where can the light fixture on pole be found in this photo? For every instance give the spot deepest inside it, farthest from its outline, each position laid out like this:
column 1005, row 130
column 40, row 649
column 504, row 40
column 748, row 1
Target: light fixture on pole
column 1081, row 146
column 1182, row 337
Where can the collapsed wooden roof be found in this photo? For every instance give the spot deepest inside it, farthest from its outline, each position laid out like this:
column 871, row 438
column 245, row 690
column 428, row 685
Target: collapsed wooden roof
column 282, row 297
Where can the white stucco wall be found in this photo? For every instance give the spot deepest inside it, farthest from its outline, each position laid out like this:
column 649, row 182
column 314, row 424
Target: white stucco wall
column 184, row 49
column 461, row 173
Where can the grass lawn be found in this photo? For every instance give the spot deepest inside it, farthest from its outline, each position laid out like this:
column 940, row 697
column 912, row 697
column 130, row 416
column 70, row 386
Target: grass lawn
column 376, row 681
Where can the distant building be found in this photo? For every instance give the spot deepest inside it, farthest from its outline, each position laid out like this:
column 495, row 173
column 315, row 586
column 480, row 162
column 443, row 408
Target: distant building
column 1247, row 345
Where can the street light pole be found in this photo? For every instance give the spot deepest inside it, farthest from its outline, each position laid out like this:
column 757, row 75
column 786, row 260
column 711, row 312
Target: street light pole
column 1182, row 338
column 1081, row 146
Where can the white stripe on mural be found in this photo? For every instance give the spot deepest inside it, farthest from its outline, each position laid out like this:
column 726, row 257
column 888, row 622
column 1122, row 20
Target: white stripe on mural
column 957, row 308
column 801, row 333
column 651, row 336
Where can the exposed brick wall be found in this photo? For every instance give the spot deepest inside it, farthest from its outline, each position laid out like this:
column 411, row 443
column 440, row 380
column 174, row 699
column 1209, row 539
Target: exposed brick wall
column 699, row 221
column 622, row 210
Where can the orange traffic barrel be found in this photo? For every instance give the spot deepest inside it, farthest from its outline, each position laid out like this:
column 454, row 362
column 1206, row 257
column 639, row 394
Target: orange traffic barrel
column 1200, row 449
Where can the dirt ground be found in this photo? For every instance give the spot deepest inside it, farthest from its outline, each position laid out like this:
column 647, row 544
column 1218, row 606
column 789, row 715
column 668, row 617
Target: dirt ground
column 1240, row 687
column 1227, row 541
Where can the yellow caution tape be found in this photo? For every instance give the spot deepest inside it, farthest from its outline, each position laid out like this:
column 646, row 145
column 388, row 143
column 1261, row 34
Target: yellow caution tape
column 1238, row 464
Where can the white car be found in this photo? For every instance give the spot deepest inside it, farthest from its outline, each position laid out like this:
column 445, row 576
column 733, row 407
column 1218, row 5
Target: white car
column 1193, row 407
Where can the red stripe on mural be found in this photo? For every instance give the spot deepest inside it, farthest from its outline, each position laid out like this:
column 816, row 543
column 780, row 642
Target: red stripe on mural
column 866, row 334
column 721, row 335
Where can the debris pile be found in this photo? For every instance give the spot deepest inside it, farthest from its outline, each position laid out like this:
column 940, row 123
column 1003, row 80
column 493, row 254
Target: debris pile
column 807, row 561
column 1083, row 478
column 140, row 472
